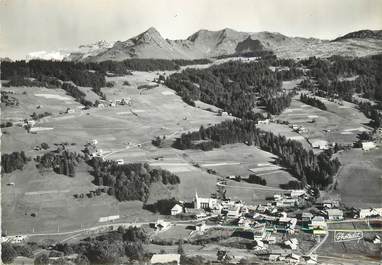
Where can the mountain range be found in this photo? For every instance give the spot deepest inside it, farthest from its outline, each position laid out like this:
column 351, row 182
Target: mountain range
column 208, row 44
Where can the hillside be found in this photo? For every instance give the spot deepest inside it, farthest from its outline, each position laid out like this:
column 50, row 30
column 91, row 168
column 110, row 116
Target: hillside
column 208, row 44
column 362, row 34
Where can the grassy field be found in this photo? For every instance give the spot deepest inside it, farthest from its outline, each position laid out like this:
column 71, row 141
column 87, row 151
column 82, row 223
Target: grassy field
column 119, row 130
column 339, row 124
column 360, row 182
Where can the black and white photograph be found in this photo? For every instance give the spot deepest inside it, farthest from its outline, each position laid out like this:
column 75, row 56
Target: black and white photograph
column 191, row 132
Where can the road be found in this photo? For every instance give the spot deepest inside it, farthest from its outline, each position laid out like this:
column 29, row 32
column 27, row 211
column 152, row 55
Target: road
column 316, row 247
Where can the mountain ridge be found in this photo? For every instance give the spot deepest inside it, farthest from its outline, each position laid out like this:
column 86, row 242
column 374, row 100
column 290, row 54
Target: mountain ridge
column 209, row 44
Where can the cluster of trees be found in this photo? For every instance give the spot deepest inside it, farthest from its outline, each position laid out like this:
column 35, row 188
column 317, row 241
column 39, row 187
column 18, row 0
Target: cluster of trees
column 62, row 162
column 312, row 101
column 9, row 252
column 306, row 166
column 8, row 100
column 252, row 178
column 129, row 181
column 13, row 161
column 107, row 248
column 76, row 93
column 163, row 206
column 372, row 112
column 326, row 72
column 276, row 104
column 78, row 73
column 232, row 86
column 36, row 116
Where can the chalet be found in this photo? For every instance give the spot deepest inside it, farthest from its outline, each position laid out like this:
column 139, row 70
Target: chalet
column 363, row 213
column 320, row 144
column 120, row 162
column 366, row 146
column 165, row 259
column 334, row 214
column 297, row 193
column 160, row 225
column 318, row 225
column 177, row 209
column 266, row 121
column 330, row 204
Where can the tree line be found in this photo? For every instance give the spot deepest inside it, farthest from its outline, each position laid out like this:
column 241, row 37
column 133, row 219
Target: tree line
column 309, row 168
column 13, row 161
column 312, row 101
column 129, row 181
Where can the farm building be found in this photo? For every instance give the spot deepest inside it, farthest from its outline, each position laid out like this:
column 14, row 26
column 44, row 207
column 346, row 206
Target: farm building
column 165, row 259
column 366, row 146
column 363, row 213
column 177, row 209
column 334, row 214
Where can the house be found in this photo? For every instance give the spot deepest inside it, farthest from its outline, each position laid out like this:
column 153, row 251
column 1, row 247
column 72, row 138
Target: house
column 366, row 146
column 287, row 203
column 286, row 223
column 320, row 144
column 69, row 110
column 330, row 204
column 233, row 211
column 291, row 243
column 363, row 213
column 205, row 203
column 120, row 162
column 297, row 193
column 292, row 258
column 177, row 209
column 165, row 259
column 160, row 225
column 93, row 142
column 306, row 217
column 334, row 214
column 377, row 240
column 31, row 122
column 200, row 227
column 266, row 121
column 318, row 225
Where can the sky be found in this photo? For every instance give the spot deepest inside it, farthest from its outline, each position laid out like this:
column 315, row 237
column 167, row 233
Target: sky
column 48, row 25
